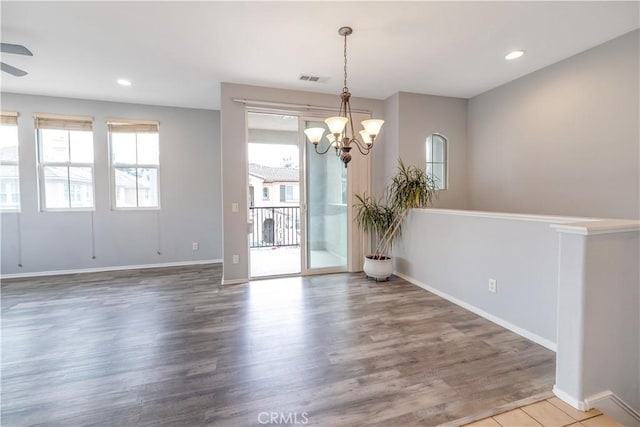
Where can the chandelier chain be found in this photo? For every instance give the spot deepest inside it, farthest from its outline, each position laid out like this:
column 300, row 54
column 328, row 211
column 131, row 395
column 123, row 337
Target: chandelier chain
column 345, row 61
column 342, row 135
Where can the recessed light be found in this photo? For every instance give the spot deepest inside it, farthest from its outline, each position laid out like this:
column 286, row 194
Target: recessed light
column 124, row 82
column 514, row 54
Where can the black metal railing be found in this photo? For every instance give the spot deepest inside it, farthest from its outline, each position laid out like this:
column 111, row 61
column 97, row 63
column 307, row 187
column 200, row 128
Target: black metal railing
column 274, row 226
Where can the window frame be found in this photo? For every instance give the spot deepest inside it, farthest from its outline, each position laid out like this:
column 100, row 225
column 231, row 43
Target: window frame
column 286, row 188
column 444, row 163
column 13, row 117
column 114, row 165
column 42, row 193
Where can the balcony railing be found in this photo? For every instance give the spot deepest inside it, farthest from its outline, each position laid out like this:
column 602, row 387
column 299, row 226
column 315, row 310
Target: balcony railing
column 274, row 226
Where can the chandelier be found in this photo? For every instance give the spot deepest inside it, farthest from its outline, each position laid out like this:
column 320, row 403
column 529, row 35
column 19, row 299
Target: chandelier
column 338, row 136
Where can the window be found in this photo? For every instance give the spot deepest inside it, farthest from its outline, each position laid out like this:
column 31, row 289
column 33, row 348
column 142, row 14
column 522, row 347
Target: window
column 289, row 193
column 65, row 162
column 135, row 161
column 265, row 193
column 437, row 160
column 343, row 186
column 9, row 177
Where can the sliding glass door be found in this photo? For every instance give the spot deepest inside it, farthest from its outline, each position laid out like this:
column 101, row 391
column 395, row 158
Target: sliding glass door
column 326, row 243
column 274, row 194
column 299, row 216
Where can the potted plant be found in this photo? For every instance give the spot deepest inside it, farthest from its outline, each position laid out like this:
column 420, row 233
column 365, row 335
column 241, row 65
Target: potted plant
column 409, row 188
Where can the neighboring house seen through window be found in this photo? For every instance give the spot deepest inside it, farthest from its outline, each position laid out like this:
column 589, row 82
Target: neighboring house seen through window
column 135, row 164
column 289, row 193
column 65, row 162
column 437, row 160
column 9, row 177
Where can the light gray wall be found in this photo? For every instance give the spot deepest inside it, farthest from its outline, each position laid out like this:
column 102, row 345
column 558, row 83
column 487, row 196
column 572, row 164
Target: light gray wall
column 234, row 159
column 411, row 118
column 457, row 254
column 612, row 280
column 190, row 185
column 563, row 140
column 392, row 142
column 599, row 316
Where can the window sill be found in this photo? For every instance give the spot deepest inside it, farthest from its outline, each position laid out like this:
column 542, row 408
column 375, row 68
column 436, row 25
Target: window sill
column 136, row 209
column 54, row 210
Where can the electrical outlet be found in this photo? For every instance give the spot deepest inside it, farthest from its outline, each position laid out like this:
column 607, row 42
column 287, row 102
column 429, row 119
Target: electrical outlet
column 493, row 285
column 195, row 246
column 235, row 208
column 236, row 259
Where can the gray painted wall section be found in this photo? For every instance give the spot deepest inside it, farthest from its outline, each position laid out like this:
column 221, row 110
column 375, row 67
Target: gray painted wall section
column 392, row 141
column 612, row 301
column 599, row 317
column 563, row 140
column 423, row 115
column 571, row 295
column 457, row 254
column 410, row 119
column 234, row 159
column 190, row 188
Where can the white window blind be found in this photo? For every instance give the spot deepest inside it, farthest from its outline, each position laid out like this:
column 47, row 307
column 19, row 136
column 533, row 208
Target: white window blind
column 132, row 126
column 135, row 163
column 65, row 161
column 8, row 118
column 68, row 123
column 9, row 168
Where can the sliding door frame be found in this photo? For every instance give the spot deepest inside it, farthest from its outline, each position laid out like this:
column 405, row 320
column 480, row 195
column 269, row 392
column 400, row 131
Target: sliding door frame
column 357, row 243
column 358, row 181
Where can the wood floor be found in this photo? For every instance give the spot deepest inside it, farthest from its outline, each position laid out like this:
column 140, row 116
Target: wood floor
column 174, row 347
column 551, row 412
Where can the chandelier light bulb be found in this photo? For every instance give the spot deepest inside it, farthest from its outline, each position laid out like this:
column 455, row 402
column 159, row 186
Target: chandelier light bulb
column 336, row 124
column 314, row 134
column 372, row 126
column 366, row 138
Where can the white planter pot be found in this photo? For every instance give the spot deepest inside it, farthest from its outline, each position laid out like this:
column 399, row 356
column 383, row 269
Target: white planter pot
column 379, row 269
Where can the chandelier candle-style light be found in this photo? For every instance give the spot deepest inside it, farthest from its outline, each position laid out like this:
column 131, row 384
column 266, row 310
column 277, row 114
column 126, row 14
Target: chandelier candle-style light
column 338, row 137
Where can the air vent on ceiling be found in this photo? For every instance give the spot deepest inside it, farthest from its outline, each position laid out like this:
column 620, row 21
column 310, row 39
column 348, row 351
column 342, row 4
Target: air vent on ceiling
column 314, row 79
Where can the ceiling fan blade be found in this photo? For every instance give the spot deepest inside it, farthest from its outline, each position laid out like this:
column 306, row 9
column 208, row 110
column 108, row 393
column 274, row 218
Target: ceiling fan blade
column 17, row 49
column 12, row 70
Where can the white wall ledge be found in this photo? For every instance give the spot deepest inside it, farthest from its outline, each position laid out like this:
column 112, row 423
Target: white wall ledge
column 603, row 226
column 562, row 224
column 506, row 215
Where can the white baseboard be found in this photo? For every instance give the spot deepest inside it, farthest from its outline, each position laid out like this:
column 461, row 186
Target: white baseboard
column 614, row 407
column 234, row 281
column 570, row 400
column 607, row 402
column 112, row 268
column 518, row 330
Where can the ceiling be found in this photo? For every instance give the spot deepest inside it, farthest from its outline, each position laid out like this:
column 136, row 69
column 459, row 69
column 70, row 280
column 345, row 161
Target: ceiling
column 178, row 53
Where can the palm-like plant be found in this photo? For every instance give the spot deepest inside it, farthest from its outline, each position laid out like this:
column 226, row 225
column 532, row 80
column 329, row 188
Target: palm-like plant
column 410, row 188
column 374, row 217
